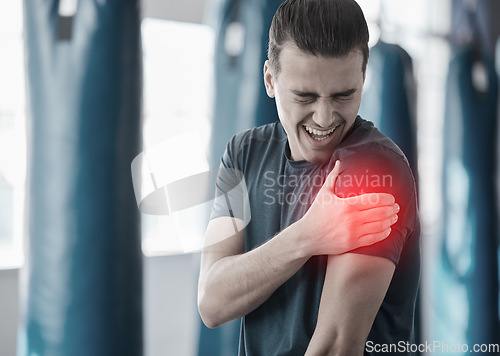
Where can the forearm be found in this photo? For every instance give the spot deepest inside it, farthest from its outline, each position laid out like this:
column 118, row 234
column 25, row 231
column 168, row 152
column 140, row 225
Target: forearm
column 341, row 332
column 335, row 345
column 236, row 285
column 354, row 288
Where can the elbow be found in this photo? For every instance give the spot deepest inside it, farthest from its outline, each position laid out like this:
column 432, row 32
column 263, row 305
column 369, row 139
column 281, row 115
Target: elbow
column 208, row 319
column 209, row 323
column 208, row 313
column 214, row 307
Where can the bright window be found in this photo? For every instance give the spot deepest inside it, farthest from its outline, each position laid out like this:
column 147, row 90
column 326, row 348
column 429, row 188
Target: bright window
column 178, row 71
column 12, row 134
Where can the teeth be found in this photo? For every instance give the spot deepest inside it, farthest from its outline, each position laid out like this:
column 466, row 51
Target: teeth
column 319, row 133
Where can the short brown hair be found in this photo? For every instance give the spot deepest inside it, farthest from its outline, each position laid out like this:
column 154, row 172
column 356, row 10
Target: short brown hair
column 330, row 28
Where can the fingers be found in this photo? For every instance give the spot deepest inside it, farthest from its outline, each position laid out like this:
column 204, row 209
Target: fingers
column 370, row 239
column 377, row 213
column 371, row 200
column 377, row 226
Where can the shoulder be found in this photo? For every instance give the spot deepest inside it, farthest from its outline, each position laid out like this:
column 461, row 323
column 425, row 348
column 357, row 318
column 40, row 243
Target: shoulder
column 372, row 163
column 365, row 135
column 366, row 148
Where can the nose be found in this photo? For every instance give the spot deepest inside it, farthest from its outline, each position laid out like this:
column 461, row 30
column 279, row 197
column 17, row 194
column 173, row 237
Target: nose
column 324, row 115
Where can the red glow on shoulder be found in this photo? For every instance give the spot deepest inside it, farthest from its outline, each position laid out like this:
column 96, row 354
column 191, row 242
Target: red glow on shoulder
column 357, row 179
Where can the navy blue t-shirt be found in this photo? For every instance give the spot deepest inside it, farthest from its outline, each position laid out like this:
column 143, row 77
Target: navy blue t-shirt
column 279, row 193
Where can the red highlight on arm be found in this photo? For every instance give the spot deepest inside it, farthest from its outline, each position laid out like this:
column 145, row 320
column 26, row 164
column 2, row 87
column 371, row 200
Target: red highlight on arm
column 380, row 171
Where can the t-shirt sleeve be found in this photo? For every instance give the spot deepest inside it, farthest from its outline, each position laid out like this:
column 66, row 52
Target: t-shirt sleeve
column 375, row 168
column 231, row 195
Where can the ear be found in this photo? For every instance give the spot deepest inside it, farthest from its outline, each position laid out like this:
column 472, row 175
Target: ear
column 269, row 79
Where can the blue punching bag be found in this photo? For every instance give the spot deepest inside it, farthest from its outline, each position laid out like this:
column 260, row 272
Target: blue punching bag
column 242, row 35
column 465, row 282
column 389, row 97
column 84, row 267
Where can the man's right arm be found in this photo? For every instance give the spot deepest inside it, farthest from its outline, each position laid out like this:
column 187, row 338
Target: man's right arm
column 233, row 283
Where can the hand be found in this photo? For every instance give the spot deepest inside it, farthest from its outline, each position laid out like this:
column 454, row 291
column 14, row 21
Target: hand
column 335, row 225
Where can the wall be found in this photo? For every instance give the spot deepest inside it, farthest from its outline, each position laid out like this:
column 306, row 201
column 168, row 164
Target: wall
column 9, row 306
column 170, row 312
column 171, row 321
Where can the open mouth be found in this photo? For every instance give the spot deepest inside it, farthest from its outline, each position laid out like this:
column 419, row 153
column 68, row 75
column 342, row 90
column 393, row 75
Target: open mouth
column 319, row 135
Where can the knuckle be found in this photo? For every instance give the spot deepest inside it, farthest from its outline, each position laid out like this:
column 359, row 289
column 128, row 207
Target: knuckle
column 380, row 226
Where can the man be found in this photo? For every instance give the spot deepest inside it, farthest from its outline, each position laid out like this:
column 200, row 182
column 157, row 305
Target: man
column 329, row 261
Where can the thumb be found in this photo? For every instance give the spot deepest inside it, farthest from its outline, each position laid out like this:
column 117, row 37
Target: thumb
column 332, row 177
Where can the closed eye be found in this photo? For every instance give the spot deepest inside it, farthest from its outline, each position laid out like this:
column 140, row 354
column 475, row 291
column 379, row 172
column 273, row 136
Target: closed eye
column 305, row 100
column 344, row 97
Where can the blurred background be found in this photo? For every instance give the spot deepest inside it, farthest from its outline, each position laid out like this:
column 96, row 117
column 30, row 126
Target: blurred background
column 86, row 86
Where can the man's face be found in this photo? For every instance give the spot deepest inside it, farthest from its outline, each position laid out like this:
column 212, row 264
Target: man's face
column 317, row 98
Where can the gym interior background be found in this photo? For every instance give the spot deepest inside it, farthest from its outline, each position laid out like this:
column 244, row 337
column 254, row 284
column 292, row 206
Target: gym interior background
column 86, row 86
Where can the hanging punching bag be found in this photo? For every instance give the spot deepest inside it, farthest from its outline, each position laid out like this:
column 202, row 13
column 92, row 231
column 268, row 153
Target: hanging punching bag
column 389, row 97
column 84, row 269
column 465, row 285
column 242, row 35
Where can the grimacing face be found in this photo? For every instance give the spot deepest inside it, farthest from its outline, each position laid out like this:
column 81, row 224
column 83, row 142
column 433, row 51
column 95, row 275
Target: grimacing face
column 317, row 98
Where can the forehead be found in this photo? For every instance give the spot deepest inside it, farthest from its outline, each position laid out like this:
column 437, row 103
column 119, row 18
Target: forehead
column 307, row 71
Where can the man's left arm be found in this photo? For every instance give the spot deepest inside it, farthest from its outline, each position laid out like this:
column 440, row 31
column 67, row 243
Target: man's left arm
column 354, row 288
column 356, row 282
